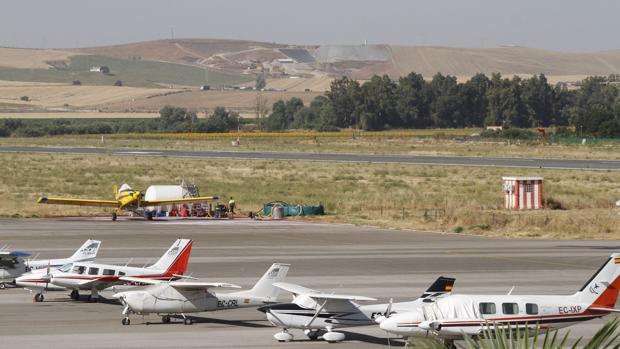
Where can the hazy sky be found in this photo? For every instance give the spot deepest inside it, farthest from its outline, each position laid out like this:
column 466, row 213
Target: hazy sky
column 565, row 25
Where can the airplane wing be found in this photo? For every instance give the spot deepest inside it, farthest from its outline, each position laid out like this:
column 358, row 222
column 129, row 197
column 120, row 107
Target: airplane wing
column 318, row 295
column 293, row 288
column 145, row 203
column 78, row 202
column 183, row 285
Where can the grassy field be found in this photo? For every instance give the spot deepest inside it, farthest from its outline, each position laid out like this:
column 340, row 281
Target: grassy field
column 435, row 198
column 414, row 142
column 136, row 73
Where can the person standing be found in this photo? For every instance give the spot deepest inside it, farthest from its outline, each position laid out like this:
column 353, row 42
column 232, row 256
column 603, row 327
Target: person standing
column 231, row 207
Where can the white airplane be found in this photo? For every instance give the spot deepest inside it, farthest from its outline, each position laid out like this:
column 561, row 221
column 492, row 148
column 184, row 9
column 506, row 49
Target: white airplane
column 455, row 315
column 182, row 297
column 16, row 267
column 315, row 311
column 96, row 277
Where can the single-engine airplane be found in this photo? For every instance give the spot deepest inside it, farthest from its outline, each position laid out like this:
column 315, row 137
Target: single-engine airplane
column 13, row 265
column 125, row 199
column 181, row 297
column 96, row 277
column 315, row 311
column 453, row 316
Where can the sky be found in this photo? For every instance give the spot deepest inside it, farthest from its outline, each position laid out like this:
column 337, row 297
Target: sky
column 561, row 25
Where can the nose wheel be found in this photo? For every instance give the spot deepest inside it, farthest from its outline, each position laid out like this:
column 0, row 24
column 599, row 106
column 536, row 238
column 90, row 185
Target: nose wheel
column 38, row 298
column 125, row 321
column 114, row 216
column 75, row 295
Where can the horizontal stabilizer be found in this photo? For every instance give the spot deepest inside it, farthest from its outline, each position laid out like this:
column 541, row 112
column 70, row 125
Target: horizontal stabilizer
column 183, row 285
column 294, row 289
column 604, row 309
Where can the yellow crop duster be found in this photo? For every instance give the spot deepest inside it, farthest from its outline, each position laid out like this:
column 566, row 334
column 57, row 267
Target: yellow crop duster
column 125, row 199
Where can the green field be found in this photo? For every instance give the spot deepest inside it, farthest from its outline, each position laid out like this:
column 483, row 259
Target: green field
column 436, row 198
column 137, row 73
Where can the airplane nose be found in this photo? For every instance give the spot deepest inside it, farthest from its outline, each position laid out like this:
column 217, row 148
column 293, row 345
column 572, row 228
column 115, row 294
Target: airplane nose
column 388, row 324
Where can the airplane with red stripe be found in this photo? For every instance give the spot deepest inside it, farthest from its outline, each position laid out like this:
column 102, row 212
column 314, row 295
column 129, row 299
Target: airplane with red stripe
column 95, row 277
column 452, row 317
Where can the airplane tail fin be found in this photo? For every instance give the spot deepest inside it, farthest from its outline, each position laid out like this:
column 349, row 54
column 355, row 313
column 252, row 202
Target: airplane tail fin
column 602, row 288
column 176, row 258
column 86, row 252
column 440, row 287
column 264, row 286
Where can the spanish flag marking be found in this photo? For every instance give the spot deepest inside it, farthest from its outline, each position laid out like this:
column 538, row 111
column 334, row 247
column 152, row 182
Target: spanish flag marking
column 449, row 287
column 617, row 260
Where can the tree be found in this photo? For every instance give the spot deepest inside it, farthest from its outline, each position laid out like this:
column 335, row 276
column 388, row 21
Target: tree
column 413, row 101
column 118, row 83
column 278, row 119
column 378, row 104
column 176, row 119
column 260, row 82
column 344, row 95
column 261, row 110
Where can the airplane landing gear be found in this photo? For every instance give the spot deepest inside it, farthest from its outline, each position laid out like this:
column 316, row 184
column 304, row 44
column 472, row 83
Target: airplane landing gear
column 165, row 319
column 113, row 216
column 2, row 285
column 449, row 344
column 312, row 334
column 333, row 337
column 93, row 297
column 125, row 321
column 283, row 336
column 38, row 297
column 187, row 321
column 75, row 295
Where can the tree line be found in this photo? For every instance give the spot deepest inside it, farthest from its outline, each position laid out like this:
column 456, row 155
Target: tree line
column 413, row 102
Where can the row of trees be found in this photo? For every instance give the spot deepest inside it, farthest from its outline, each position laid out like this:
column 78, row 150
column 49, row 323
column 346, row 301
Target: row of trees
column 172, row 119
column 413, row 102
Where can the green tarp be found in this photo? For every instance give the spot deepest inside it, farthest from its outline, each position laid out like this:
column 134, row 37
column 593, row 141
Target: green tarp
column 293, row 209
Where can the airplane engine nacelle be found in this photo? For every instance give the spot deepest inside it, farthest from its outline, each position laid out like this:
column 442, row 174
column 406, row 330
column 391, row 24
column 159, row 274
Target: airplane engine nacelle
column 332, row 337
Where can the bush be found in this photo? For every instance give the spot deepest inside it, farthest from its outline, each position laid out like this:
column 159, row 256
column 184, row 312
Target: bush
column 553, row 204
column 24, row 98
column 458, row 230
column 118, row 83
column 76, row 82
column 511, row 133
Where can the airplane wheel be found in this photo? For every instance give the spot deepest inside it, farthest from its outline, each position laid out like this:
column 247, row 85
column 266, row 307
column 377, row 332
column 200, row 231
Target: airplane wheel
column 165, row 319
column 39, row 297
column 2, row 285
column 113, row 216
column 187, row 321
column 312, row 335
column 75, row 295
column 125, row 321
column 92, row 299
column 149, row 216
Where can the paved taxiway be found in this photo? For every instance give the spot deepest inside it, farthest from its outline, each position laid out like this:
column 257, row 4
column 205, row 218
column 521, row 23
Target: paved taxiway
column 402, row 159
column 341, row 258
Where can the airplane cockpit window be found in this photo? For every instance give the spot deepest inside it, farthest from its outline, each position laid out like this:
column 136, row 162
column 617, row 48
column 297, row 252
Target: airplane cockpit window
column 487, row 308
column 531, row 308
column 65, row 268
column 79, row 269
column 93, row 271
column 510, row 308
column 108, row 272
column 121, row 273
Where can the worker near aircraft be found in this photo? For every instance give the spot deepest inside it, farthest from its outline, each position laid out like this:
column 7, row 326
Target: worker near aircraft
column 231, row 207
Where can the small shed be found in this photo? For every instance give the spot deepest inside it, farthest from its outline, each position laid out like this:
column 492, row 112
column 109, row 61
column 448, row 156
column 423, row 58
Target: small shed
column 523, row 193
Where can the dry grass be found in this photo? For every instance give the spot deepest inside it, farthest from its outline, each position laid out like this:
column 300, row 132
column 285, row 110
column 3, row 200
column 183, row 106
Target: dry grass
column 366, row 194
column 29, row 58
column 53, row 95
column 416, row 142
column 77, row 115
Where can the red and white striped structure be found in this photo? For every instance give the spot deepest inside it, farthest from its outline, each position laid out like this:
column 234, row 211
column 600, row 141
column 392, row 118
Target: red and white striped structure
column 523, row 193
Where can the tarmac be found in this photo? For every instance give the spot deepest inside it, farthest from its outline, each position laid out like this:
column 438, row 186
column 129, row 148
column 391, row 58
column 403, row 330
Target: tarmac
column 347, row 259
column 478, row 161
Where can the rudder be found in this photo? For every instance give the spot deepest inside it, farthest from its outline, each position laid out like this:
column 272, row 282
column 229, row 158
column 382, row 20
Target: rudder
column 602, row 288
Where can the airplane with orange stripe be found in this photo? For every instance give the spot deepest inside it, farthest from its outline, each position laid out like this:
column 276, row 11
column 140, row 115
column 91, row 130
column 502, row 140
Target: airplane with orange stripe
column 95, row 277
column 454, row 316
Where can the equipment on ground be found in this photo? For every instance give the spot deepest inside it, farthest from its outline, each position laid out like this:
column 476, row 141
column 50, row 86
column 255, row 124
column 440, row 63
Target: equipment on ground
column 452, row 317
column 170, row 298
column 319, row 313
column 127, row 199
column 288, row 210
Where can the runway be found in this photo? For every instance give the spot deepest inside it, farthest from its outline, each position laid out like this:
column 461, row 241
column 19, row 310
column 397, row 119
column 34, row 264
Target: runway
column 613, row 165
column 340, row 258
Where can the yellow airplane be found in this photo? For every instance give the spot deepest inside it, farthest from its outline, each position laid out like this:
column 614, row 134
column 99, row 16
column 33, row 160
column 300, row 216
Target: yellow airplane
column 126, row 199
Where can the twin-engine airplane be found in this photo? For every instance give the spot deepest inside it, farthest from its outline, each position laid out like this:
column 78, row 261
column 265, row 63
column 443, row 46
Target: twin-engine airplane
column 181, row 297
column 13, row 265
column 95, row 277
column 315, row 311
column 125, row 199
column 453, row 316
